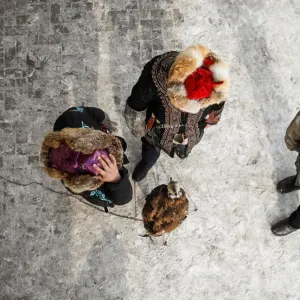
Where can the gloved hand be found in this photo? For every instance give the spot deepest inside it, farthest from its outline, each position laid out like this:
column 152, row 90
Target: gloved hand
column 110, row 125
column 135, row 121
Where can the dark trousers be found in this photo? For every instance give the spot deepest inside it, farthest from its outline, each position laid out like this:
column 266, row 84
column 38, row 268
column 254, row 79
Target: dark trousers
column 150, row 154
column 297, row 163
column 294, row 219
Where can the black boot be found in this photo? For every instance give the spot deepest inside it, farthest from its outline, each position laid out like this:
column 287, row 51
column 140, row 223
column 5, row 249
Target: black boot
column 283, row 228
column 141, row 170
column 287, row 185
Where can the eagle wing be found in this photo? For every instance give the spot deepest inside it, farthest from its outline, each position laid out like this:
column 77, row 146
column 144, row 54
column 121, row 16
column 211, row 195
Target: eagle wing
column 162, row 214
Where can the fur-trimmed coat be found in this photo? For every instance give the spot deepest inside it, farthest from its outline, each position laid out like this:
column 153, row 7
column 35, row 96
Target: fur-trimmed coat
column 81, row 129
column 160, row 92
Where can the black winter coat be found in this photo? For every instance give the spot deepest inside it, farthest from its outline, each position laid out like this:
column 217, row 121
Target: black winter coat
column 147, row 94
column 108, row 194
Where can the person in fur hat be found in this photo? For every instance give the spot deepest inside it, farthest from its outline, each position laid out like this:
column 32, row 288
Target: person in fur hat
column 177, row 96
column 291, row 183
column 82, row 152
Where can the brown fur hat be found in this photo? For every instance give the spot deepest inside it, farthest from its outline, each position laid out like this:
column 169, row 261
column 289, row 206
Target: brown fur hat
column 185, row 64
column 85, row 140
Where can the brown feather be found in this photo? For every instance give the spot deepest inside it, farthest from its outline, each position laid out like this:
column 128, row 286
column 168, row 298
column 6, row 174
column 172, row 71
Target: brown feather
column 162, row 214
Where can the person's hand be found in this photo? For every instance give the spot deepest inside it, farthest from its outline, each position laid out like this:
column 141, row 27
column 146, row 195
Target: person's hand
column 110, row 125
column 110, row 172
column 113, row 127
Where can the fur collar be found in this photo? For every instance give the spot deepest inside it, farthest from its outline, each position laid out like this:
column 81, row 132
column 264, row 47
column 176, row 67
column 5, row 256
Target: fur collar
column 185, row 64
column 85, row 140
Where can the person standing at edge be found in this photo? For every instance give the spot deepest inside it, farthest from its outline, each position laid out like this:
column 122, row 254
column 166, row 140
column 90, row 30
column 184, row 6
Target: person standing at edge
column 175, row 98
column 292, row 183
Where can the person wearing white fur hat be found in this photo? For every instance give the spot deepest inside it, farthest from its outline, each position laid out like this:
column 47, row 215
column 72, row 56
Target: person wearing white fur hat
column 177, row 96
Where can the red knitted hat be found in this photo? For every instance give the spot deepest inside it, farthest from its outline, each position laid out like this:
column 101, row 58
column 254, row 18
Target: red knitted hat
column 197, row 74
column 200, row 84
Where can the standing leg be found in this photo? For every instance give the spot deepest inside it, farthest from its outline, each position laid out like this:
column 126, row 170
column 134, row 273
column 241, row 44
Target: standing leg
column 297, row 180
column 289, row 184
column 288, row 225
column 150, row 155
column 294, row 219
column 292, row 183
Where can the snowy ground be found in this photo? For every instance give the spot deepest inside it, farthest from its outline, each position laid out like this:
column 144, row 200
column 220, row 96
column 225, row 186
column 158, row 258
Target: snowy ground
column 55, row 247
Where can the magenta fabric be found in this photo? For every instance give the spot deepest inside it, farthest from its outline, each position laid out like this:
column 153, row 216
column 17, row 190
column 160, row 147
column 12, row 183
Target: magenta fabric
column 72, row 162
column 87, row 161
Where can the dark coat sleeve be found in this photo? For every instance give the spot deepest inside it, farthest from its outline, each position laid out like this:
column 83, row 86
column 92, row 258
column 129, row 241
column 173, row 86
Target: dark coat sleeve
column 143, row 91
column 109, row 194
column 120, row 192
